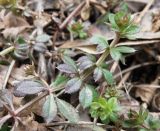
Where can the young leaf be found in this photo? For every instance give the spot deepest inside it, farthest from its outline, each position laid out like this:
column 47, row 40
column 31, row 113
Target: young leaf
column 49, row 109
column 66, row 69
column 67, row 110
column 73, row 85
column 115, row 54
column 86, row 96
column 101, row 41
column 43, row 38
column 67, row 60
column 108, row 76
column 113, row 22
column 85, row 64
column 112, row 102
column 28, row 87
column 125, row 49
column 97, row 74
column 21, row 40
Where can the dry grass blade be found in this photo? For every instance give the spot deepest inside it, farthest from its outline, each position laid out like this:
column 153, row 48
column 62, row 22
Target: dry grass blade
column 83, row 45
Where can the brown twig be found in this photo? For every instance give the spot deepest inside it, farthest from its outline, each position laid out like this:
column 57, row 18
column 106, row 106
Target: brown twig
column 27, row 105
column 75, row 12
column 8, row 74
column 67, row 122
column 135, row 67
column 144, row 11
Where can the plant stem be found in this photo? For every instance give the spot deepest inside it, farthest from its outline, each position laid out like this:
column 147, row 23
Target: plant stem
column 42, row 95
column 102, row 58
column 67, row 122
column 27, row 105
column 115, row 41
column 72, row 14
column 6, row 51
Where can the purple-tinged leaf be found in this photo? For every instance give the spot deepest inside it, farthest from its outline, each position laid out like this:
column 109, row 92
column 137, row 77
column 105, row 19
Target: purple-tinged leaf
column 97, row 74
column 84, row 62
column 100, row 47
column 40, row 47
column 67, row 110
column 84, row 65
column 73, row 85
column 82, row 59
column 86, row 97
column 66, row 69
column 28, row 87
column 49, row 109
column 67, row 60
column 6, row 97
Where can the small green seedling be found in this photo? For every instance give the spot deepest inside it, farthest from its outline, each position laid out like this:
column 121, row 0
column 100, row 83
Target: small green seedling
column 77, row 30
column 136, row 119
column 122, row 23
column 105, row 109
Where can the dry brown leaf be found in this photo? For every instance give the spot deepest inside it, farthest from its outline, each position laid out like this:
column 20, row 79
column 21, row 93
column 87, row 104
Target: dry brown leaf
column 146, row 22
column 85, row 13
column 29, row 125
column 139, row 1
column 146, row 93
column 139, row 42
column 14, row 31
column 83, row 45
column 156, row 22
column 101, row 29
column 156, row 102
column 12, row 25
column 147, row 35
column 18, row 74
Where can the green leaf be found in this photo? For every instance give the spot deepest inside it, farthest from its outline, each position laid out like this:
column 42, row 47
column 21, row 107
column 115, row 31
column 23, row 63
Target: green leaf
column 101, row 41
column 143, row 113
column 125, row 49
column 113, row 104
column 67, row 110
column 49, row 109
column 113, row 117
column 108, row 77
column 60, row 79
column 115, row 54
column 21, row 40
column 86, row 97
column 67, row 60
column 5, row 127
column 124, row 7
column 132, row 29
column 43, row 38
column 113, row 22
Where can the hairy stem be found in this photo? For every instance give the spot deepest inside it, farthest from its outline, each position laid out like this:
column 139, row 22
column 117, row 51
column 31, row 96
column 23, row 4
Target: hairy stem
column 6, row 51
column 102, row 58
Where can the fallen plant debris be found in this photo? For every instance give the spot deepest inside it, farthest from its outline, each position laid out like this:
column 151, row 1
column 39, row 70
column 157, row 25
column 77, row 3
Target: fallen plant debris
column 79, row 65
